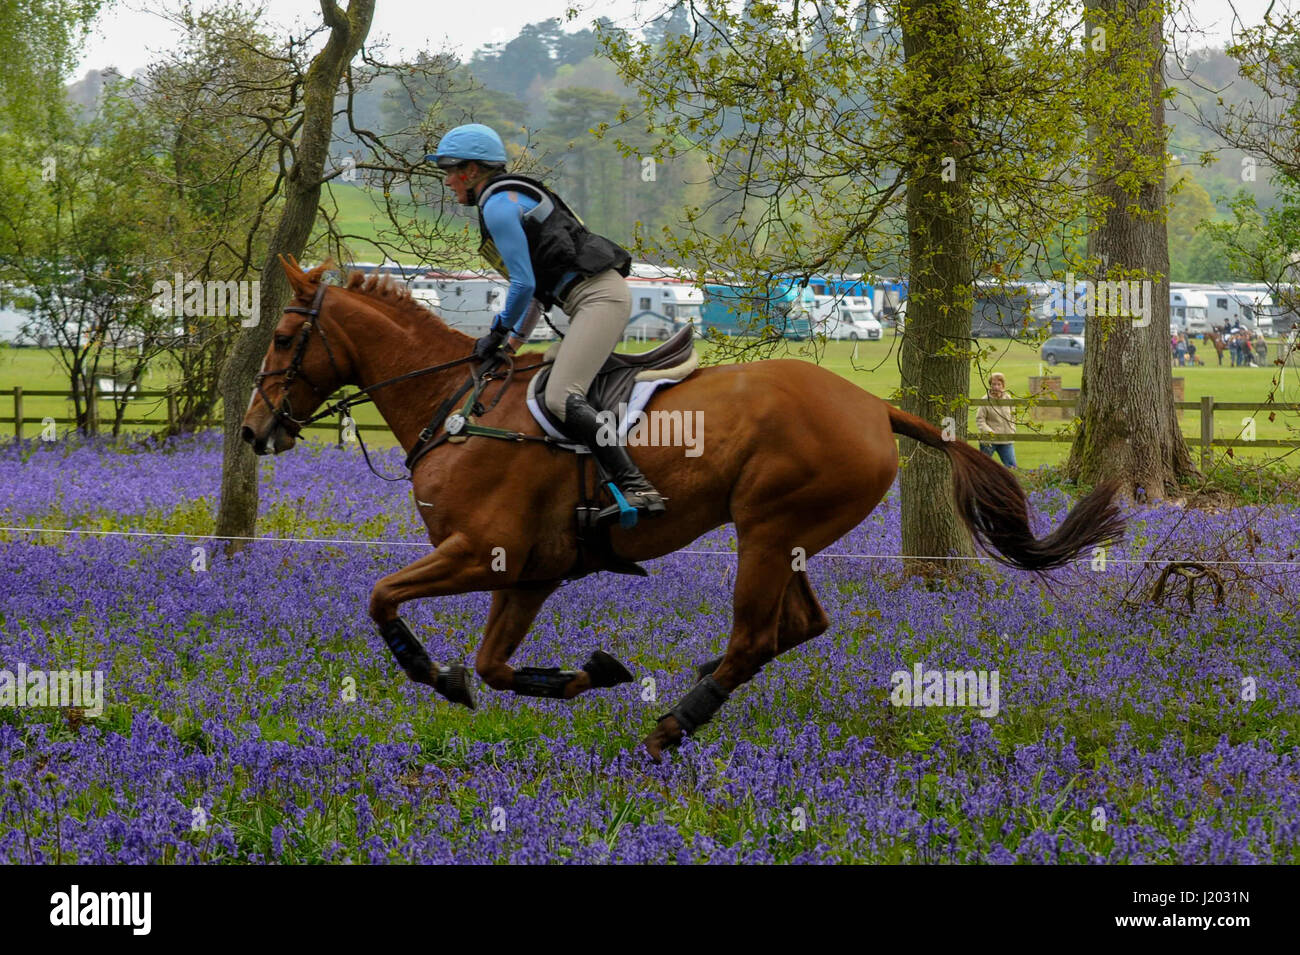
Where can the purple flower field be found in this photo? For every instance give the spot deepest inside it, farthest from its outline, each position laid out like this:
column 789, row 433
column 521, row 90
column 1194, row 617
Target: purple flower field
column 252, row 714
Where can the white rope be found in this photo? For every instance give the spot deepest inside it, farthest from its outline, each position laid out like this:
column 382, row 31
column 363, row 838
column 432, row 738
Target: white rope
column 695, row 553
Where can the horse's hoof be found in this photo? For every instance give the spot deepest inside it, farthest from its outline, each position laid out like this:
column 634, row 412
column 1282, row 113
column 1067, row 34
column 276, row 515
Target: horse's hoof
column 605, row 671
column 706, row 668
column 653, row 751
column 456, row 684
column 667, row 734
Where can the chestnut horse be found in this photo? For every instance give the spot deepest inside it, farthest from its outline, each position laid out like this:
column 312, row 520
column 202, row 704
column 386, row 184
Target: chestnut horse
column 793, row 455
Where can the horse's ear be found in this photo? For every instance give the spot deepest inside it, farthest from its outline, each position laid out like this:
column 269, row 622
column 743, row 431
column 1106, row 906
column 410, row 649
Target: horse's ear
column 294, row 273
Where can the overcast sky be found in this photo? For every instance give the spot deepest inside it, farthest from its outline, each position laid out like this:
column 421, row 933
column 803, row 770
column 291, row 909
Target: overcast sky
column 128, row 35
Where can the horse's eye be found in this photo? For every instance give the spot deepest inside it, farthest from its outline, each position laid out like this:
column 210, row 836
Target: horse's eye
column 282, row 341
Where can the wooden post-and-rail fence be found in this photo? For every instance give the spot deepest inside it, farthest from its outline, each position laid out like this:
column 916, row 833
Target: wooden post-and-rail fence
column 18, row 420
column 1206, row 441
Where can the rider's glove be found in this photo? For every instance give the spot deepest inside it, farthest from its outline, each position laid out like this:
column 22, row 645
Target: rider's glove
column 488, row 345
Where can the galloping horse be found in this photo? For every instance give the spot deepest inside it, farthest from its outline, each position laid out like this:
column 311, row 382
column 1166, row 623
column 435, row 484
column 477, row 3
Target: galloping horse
column 795, row 456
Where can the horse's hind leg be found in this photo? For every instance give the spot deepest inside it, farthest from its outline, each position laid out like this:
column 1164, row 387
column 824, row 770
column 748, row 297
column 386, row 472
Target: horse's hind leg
column 761, row 583
column 802, row 618
column 512, row 613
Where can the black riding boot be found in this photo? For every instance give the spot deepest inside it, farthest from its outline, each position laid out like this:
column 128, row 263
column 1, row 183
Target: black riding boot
column 581, row 422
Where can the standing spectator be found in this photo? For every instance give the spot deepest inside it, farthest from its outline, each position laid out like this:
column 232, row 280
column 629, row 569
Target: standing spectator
column 1191, row 350
column 1180, row 351
column 994, row 419
column 1261, row 349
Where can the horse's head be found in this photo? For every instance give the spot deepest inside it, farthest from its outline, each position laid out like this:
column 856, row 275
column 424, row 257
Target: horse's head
column 303, row 366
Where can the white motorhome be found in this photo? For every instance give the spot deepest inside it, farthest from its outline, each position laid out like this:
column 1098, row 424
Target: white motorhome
column 468, row 301
column 845, row 318
column 12, row 323
column 660, row 306
column 1189, row 310
column 1239, row 303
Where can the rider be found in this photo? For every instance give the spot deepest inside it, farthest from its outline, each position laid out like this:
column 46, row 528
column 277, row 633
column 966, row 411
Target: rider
column 535, row 240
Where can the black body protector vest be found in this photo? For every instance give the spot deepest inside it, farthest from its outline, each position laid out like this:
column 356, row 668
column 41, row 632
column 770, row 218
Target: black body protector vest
column 558, row 242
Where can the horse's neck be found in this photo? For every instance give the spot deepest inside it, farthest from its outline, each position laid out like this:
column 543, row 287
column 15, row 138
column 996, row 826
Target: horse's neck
column 400, row 345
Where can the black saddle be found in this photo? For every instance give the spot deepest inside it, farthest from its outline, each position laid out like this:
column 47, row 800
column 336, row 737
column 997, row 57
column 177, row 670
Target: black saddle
column 614, row 382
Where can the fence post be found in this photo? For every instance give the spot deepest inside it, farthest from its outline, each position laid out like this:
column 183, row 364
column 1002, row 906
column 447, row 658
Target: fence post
column 1207, row 431
column 171, row 409
column 18, row 412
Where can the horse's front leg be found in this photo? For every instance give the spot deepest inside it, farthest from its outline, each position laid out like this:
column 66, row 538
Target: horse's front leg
column 453, row 568
column 513, row 612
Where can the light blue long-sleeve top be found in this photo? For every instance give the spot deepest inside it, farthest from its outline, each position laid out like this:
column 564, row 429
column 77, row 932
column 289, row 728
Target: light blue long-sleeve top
column 503, row 215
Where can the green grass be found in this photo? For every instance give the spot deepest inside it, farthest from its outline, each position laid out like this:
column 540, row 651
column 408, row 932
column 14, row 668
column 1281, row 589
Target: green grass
column 871, row 365
column 361, row 212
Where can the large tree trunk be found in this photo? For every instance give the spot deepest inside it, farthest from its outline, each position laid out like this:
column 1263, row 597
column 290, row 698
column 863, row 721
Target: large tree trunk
column 1129, row 426
column 237, row 516
column 934, row 357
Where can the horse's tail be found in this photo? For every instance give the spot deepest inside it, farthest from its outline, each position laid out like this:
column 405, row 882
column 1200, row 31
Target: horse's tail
column 993, row 506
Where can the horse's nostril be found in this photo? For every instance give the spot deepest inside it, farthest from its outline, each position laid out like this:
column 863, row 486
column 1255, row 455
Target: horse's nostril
column 247, row 434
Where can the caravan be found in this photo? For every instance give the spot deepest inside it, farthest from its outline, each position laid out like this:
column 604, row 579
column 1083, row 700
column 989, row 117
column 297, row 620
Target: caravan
column 1189, row 310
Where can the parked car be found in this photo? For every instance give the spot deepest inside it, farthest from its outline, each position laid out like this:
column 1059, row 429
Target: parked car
column 1063, row 348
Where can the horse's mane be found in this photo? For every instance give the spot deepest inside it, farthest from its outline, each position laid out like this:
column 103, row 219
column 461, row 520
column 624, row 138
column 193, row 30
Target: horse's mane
column 380, row 287
column 383, row 287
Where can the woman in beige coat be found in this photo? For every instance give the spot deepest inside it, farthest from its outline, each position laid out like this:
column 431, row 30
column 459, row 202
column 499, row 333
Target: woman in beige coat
column 996, row 419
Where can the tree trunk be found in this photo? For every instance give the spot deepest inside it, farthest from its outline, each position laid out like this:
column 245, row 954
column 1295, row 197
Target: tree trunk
column 1129, row 427
column 934, row 358
column 237, row 516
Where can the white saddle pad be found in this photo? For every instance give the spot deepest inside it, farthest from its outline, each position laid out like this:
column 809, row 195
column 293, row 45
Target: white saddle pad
column 636, row 402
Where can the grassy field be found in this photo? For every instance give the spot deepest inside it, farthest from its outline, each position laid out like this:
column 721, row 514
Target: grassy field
column 360, row 212
column 871, row 365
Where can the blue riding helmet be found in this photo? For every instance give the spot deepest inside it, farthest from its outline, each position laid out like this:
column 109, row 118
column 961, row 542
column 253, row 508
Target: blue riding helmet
column 473, row 141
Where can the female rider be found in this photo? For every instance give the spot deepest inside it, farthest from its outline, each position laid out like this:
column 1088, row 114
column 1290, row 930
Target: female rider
column 536, row 241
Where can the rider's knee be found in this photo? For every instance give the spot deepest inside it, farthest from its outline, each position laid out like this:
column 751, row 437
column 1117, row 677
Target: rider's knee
column 555, row 401
column 557, row 398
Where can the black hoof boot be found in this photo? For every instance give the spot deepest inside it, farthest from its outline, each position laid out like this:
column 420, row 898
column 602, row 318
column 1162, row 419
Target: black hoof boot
column 605, row 671
column 456, row 684
column 706, row 668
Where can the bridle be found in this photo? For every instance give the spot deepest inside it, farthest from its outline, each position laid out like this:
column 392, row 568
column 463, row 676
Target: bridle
column 283, row 413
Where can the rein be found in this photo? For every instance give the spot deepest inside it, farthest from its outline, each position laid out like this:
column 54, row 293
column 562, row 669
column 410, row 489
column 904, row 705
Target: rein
column 458, row 426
